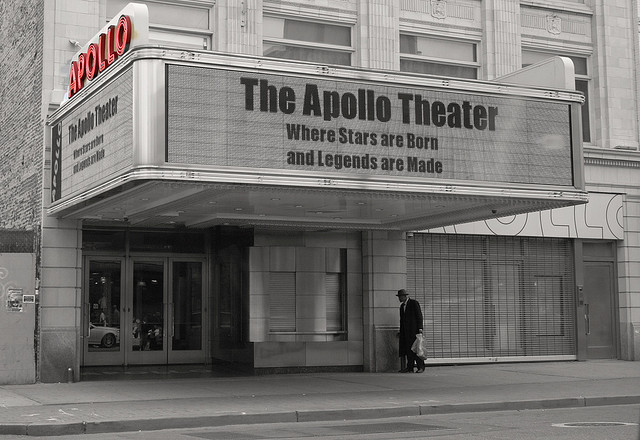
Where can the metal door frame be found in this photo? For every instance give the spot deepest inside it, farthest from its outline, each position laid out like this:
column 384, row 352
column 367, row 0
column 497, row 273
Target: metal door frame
column 126, row 355
column 101, row 358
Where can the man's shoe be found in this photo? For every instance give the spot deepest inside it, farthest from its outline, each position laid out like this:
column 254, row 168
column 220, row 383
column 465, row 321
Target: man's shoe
column 407, row 370
column 420, row 370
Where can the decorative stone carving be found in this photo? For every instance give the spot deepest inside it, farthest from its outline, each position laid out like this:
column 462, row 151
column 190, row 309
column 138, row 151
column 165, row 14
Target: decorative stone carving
column 554, row 24
column 439, row 9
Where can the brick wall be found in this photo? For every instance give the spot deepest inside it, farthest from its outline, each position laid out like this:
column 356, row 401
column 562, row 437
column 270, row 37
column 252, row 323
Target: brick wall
column 21, row 124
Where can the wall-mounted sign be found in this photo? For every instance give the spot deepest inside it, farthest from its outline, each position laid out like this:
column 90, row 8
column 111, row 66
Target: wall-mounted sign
column 129, row 28
column 111, row 45
column 14, row 300
column 600, row 219
column 229, row 118
column 93, row 142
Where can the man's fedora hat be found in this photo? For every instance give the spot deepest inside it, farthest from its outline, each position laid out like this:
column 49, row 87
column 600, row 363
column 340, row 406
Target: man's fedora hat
column 402, row 292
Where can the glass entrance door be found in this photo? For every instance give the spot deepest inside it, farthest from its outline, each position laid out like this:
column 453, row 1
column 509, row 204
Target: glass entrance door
column 102, row 312
column 146, row 342
column 149, row 311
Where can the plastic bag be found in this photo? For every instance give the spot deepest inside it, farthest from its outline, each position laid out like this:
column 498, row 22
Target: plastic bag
column 419, row 347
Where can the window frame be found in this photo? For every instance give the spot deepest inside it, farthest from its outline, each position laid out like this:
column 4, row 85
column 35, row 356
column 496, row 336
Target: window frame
column 285, row 291
column 207, row 35
column 310, row 45
column 476, row 65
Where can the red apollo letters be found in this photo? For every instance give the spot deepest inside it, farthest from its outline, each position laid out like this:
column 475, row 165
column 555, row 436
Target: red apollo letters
column 99, row 56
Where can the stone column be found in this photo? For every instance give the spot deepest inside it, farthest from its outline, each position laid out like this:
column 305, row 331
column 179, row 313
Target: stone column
column 376, row 33
column 384, row 271
column 60, row 300
column 502, row 42
column 239, row 27
column 59, row 331
column 615, row 120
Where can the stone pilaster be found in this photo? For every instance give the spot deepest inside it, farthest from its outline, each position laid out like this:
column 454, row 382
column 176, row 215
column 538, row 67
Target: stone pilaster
column 384, row 271
column 502, row 53
column 377, row 34
column 239, row 26
column 615, row 119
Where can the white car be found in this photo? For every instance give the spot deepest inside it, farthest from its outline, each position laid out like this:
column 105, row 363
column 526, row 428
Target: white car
column 104, row 336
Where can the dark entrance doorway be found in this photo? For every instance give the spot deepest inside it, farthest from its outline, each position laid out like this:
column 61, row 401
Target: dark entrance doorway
column 599, row 300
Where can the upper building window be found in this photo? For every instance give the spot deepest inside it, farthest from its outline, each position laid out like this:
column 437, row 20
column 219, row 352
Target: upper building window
column 307, row 41
column 582, row 82
column 438, row 56
column 187, row 26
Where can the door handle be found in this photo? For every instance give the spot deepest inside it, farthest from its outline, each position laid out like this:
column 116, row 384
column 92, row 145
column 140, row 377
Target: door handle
column 587, row 319
column 171, row 321
column 87, row 319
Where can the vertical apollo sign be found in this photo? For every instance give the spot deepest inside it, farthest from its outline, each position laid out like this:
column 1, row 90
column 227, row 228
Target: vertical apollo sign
column 56, row 161
column 76, row 143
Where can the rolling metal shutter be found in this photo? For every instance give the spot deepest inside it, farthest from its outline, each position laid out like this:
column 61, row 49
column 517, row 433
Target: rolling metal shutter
column 487, row 298
column 282, row 302
column 334, row 299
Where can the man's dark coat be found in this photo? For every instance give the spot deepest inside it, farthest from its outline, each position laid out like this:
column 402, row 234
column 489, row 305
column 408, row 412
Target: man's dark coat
column 410, row 325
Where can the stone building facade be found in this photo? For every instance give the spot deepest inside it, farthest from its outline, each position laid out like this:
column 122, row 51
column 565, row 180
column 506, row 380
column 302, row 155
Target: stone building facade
column 589, row 309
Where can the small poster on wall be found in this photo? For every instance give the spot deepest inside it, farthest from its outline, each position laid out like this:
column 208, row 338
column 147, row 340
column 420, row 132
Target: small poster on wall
column 14, row 300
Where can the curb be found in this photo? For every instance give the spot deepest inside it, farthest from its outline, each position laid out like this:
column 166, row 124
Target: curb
column 77, row 428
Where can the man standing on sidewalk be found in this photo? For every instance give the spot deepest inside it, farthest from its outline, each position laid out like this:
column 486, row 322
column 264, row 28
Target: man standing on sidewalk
column 410, row 326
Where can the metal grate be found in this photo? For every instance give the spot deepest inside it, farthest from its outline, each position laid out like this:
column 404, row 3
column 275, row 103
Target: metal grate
column 17, row 241
column 282, row 301
column 493, row 296
column 334, row 307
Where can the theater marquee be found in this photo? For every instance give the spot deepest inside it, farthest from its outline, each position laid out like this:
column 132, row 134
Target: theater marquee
column 229, row 118
column 164, row 137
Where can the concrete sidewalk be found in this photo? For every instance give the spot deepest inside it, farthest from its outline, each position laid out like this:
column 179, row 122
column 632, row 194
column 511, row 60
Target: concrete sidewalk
column 147, row 404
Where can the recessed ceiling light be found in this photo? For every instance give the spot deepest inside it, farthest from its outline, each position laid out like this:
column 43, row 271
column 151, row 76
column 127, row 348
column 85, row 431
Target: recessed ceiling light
column 361, row 203
column 275, row 199
column 299, row 206
column 238, row 209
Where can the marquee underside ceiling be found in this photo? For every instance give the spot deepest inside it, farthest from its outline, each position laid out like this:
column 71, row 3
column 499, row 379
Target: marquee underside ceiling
column 171, row 204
